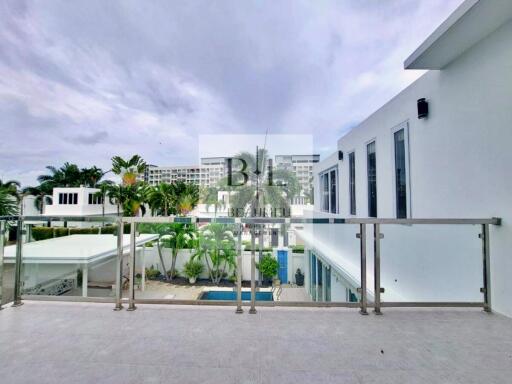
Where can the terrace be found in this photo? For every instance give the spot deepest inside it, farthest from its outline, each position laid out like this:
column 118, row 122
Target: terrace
column 305, row 332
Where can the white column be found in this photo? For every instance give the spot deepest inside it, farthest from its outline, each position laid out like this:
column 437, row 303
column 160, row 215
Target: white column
column 85, row 279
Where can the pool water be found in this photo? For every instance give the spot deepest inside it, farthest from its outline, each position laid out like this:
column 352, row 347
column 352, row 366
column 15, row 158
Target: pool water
column 231, row 296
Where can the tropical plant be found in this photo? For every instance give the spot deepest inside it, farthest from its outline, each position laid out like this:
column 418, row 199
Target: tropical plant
column 209, row 197
column 268, row 266
column 128, row 197
column 10, row 187
column 104, row 188
column 216, row 246
column 42, row 193
column 186, row 197
column 161, row 199
column 254, row 195
column 8, row 205
column 178, row 236
column 128, row 169
column 192, row 269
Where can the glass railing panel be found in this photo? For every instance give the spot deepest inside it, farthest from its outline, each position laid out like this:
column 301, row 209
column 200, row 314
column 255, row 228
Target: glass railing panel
column 69, row 259
column 187, row 262
column 7, row 257
column 431, row 263
column 321, row 263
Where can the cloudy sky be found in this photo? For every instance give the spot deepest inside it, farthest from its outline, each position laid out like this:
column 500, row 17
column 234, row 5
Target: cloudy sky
column 81, row 81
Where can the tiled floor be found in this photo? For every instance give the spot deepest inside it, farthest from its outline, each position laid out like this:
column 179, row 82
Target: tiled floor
column 43, row 342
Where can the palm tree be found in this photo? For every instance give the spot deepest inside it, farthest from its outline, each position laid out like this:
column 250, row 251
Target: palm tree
column 8, row 205
column 178, row 237
column 68, row 175
column 102, row 194
column 91, row 176
column 216, row 245
column 10, row 187
column 128, row 169
column 256, row 194
column 129, row 197
column 210, row 196
column 161, row 199
column 186, row 197
column 42, row 193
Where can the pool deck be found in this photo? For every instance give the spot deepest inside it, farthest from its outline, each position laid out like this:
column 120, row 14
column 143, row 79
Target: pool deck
column 54, row 342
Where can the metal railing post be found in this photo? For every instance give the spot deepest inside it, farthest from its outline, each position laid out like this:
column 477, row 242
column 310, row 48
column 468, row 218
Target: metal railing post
column 2, row 239
column 17, row 273
column 131, row 282
column 239, row 272
column 119, row 266
column 486, row 290
column 363, row 289
column 252, row 310
column 376, row 270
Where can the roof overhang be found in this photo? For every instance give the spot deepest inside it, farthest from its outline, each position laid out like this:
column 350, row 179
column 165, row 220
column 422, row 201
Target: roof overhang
column 471, row 22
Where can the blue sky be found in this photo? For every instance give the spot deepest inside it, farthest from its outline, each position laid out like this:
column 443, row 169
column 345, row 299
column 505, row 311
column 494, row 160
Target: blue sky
column 81, row 81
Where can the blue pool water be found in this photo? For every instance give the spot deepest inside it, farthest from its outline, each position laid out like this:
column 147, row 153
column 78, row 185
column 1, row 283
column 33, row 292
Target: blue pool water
column 230, row 295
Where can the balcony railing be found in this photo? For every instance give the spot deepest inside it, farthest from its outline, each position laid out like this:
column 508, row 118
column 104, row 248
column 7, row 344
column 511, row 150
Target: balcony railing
column 360, row 244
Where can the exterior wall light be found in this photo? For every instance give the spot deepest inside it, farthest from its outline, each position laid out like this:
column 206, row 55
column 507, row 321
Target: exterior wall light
column 422, row 108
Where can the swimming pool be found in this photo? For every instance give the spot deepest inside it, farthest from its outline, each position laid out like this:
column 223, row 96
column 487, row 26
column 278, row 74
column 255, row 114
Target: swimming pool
column 231, row 296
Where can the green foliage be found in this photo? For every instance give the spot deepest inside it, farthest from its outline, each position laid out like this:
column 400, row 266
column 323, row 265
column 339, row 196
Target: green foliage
column 8, row 206
column 298, row 249
column 152, row 273
column 193, row 268
column 268, row 266
column 69, row 175
column 248, row 248
column 42, row 233
column 216, row 246
column 60, row 232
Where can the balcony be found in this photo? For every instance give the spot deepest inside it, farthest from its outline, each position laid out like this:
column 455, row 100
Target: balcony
column 297, row 328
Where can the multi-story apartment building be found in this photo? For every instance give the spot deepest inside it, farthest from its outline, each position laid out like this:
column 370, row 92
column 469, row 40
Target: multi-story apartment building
column 302, row 167
column 188, row 173
column 213, row 169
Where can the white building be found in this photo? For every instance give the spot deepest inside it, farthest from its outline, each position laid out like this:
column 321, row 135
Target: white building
column 302, row 167
column 187, row 173
column 454, row 163
column 80, row 201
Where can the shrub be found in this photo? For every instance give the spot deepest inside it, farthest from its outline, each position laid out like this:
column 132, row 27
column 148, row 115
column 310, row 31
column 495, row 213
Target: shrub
column 60, row 232
column 193, row 268
column 268, row 266
column 42, row 233
column 152, row 274
column 84, row 231
column 298, row 249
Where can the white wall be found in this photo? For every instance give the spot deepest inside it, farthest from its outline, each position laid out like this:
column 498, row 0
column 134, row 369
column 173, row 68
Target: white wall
column 459, row 162
column 83, row 207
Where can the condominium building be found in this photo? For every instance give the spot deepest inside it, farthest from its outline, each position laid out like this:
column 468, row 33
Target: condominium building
column 302, row 167
column 188, row 173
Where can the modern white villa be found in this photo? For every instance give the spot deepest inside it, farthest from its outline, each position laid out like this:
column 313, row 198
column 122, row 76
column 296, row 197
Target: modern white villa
column 439, row 149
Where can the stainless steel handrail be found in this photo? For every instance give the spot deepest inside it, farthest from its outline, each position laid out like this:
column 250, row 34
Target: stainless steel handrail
column 362, row 222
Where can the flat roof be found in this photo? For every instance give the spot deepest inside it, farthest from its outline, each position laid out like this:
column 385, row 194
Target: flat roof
column 471, row 22
column 73, row 249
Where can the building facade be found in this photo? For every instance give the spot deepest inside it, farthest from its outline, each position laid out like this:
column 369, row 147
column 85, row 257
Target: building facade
column 439, row 149
column 302, row 168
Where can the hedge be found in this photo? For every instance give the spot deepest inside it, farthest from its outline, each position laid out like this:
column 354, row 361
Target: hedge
column 298, row 249
column 43, row 233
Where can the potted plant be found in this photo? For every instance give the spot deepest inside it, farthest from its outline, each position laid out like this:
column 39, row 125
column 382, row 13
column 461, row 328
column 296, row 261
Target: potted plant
column 299, row 278
column 192, row 270
column 268, row 266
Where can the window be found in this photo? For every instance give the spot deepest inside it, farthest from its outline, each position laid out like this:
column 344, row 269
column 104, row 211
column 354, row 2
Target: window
column 95, row 199
column 400, row 174
column 68, row 198
column 372, row 179
column 328, row 188
column 333, row 192
column 352, row 181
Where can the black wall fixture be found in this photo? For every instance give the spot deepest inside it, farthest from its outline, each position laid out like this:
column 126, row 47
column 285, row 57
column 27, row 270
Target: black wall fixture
column 340, row 155
column 422, row 108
